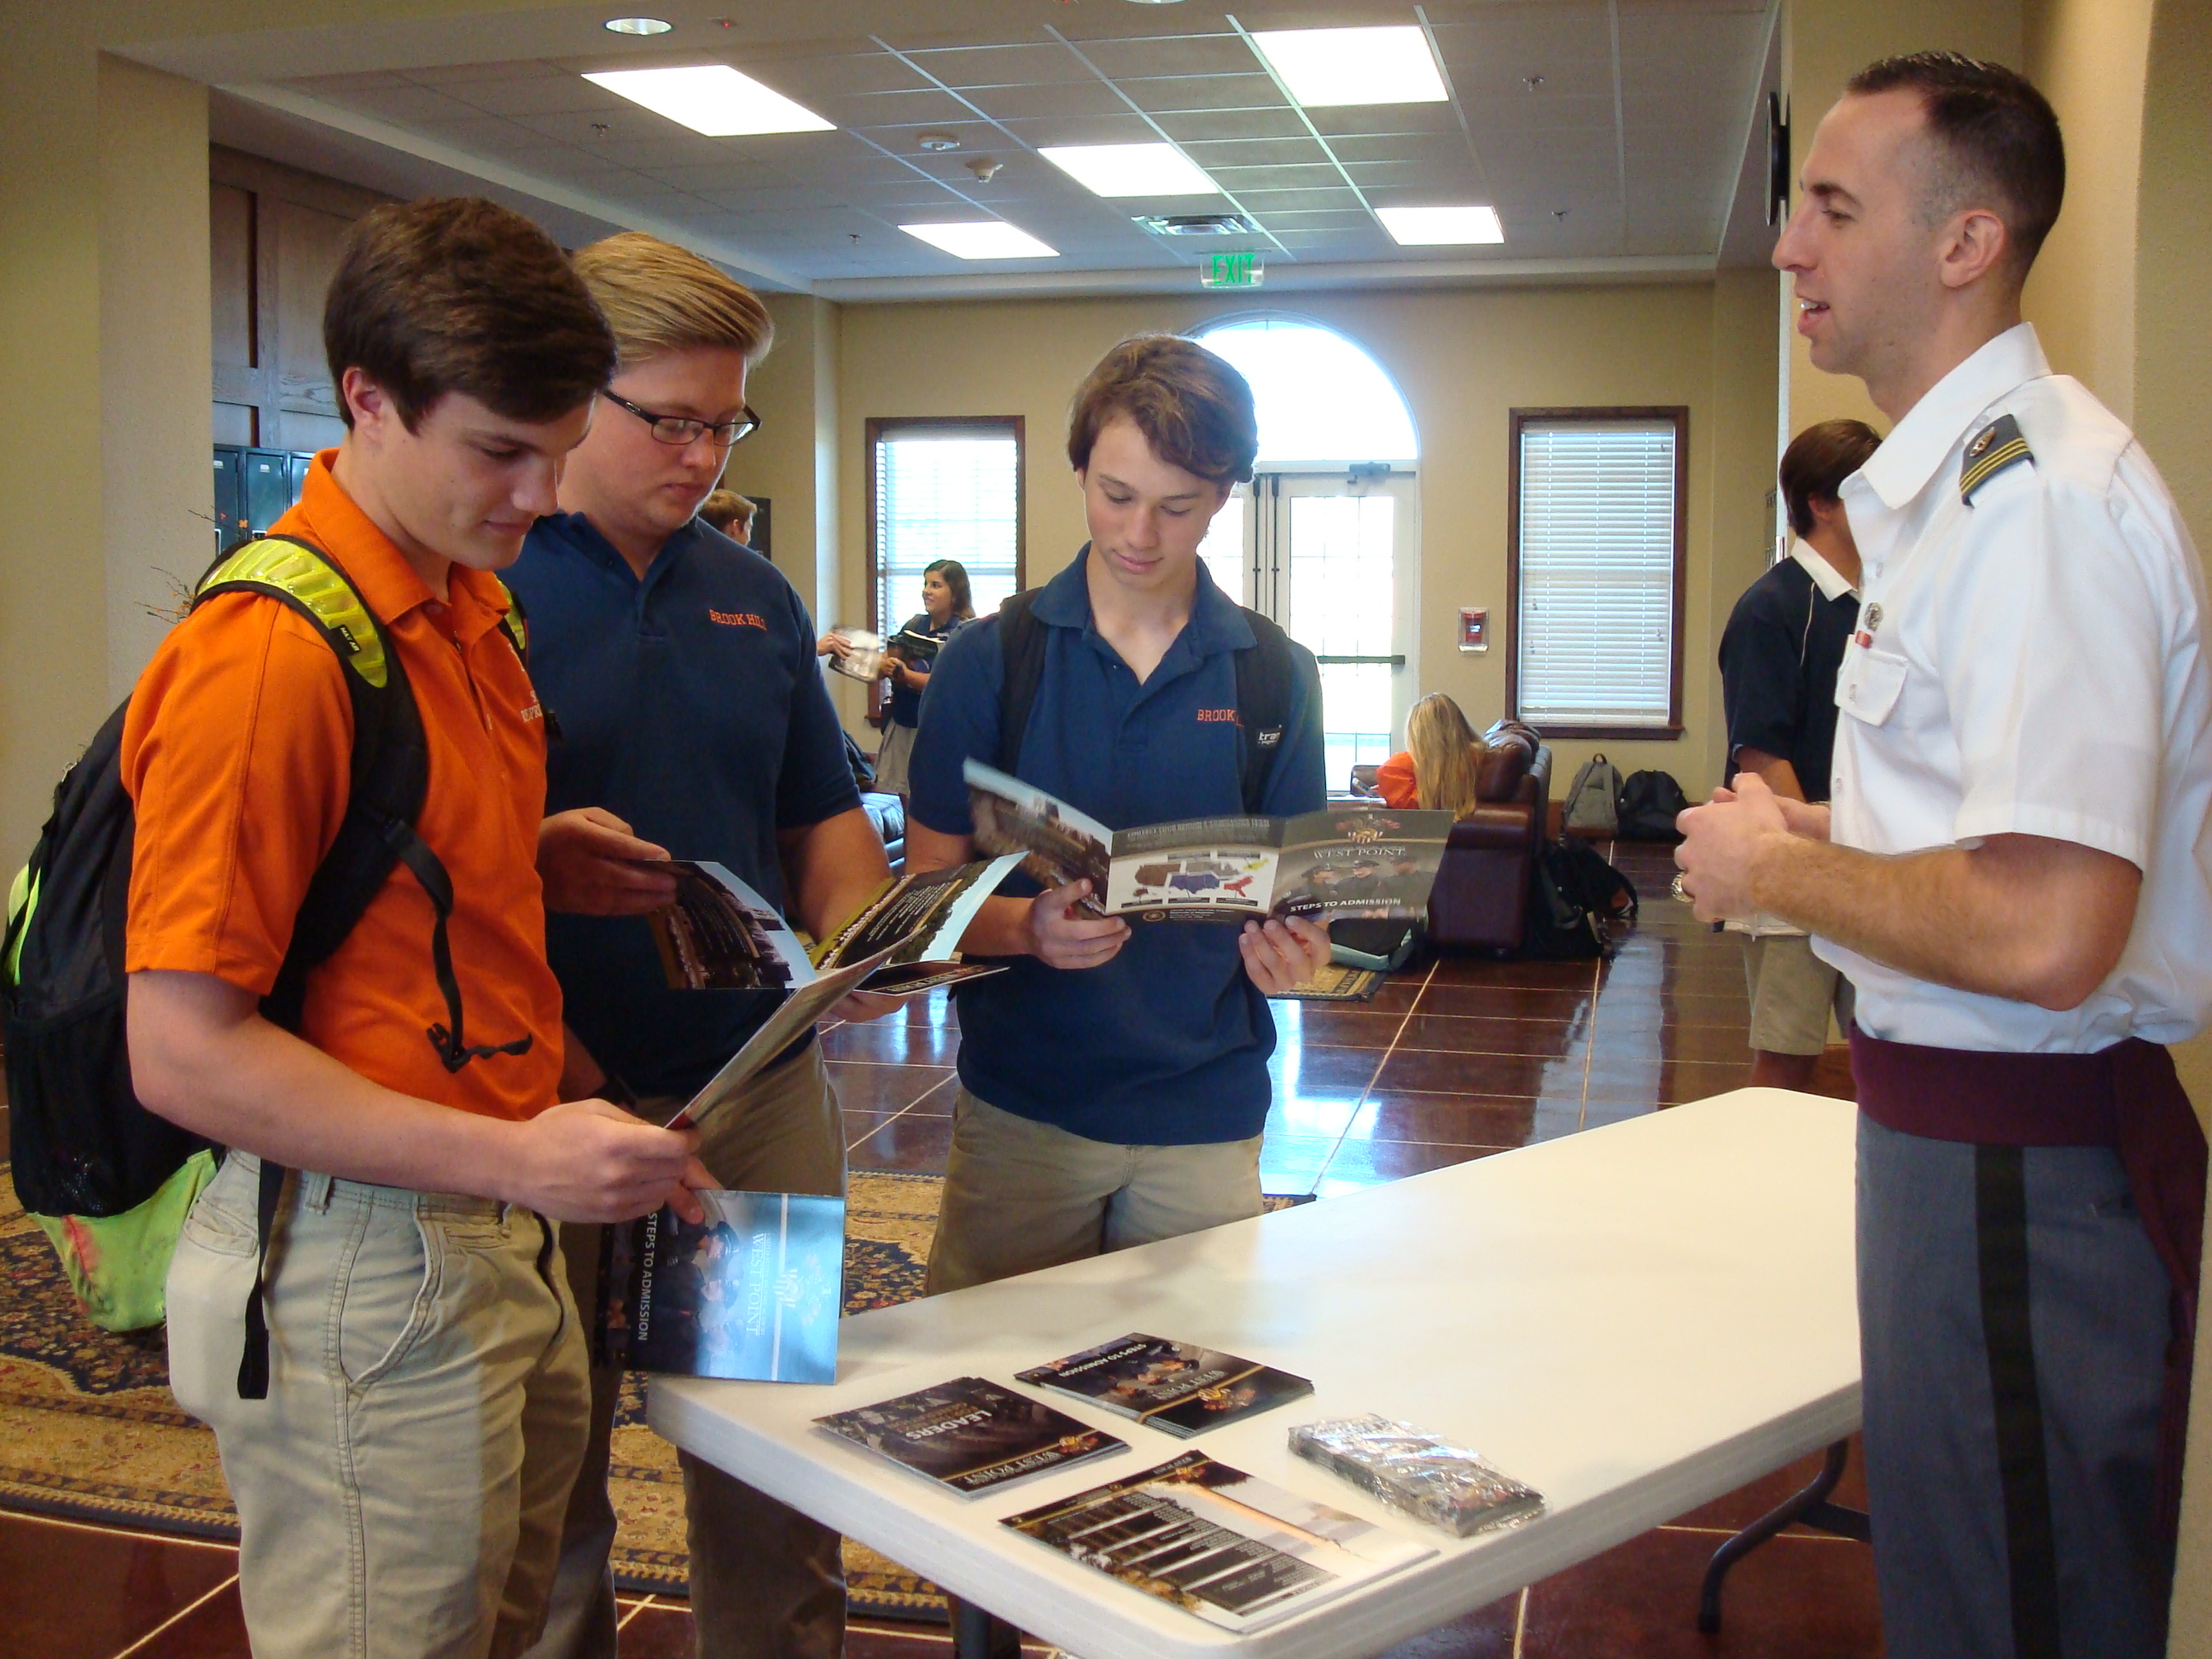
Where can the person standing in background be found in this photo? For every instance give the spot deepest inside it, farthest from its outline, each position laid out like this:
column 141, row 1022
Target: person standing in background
column 730, row 514
column 1779, row 654
column 945, row 604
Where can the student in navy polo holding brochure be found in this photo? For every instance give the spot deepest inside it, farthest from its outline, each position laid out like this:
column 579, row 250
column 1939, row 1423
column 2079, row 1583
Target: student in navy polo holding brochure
column 1113, row 1082
column 679, row 667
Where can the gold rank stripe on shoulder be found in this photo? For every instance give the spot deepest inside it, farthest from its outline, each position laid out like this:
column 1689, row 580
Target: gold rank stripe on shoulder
column 1995, row 448
column 276, row 565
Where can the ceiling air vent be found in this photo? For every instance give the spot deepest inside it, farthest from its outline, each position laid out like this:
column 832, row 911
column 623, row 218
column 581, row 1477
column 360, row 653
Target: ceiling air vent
column 1198, row 224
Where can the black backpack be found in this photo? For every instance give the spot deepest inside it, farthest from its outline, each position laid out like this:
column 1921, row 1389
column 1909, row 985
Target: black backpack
column 1575, row 898
column 84, row 1150
column 1265, row 671
column 1649, row 802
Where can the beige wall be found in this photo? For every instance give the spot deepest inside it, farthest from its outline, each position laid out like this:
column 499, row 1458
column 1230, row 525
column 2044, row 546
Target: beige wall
column 1463, row 359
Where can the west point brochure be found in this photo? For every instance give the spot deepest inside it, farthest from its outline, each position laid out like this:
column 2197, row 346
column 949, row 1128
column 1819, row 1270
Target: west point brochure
column 1345, row 861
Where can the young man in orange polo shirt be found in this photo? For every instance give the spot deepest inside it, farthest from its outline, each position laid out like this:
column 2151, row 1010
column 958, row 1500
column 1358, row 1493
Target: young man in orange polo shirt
column 400, row 1488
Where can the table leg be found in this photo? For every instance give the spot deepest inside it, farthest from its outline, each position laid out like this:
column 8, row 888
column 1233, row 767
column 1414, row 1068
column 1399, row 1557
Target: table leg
column 1810, row 1507
column 977, row 1635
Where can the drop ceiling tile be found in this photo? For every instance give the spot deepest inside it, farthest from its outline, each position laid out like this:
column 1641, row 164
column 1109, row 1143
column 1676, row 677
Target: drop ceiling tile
column 1203, row 92
column 1323, row 219
column 1368, row 119
column 974, row 137
column 1506, row 78
column 1448, row 148
column 1199, row 126
column 1256, row 152
column 553, row 95
column 834, row 74
column 1415, row 184
column 1526, row 36
column 1224, row 53
column 1130, row 129
column 926, row 107
column 1060, row 101
column 1316, row 176
column 1540, row 114
column 1266, row 203
column 1001, row 66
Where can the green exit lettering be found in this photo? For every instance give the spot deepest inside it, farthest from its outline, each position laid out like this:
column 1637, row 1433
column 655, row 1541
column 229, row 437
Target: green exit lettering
column 1230, row 270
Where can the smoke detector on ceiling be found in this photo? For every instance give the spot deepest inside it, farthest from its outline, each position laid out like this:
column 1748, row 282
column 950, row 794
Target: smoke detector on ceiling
column 934, row 142
column 1198, row 224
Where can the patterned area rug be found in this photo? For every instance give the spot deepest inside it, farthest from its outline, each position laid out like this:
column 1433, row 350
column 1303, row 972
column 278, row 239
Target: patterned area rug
column 88, row 1429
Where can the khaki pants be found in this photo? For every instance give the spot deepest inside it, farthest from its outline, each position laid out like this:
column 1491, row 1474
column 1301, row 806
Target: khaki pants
column 1792, row 993
column 400, row 1491
column 767, row 1583
column 1020, row 1195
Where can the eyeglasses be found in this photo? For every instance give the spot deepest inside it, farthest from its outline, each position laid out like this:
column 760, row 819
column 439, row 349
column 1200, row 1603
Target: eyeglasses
column 682, row 430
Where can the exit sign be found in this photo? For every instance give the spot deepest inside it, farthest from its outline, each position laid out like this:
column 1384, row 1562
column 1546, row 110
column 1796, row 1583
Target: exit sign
column 1230, row 270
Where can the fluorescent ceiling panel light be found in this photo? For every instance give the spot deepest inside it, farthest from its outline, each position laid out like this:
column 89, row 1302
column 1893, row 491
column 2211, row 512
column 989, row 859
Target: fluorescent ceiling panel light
column 1353, row 66
column 1131, row 169
column 983, row 239
column 712, row 99
column 1424, row 227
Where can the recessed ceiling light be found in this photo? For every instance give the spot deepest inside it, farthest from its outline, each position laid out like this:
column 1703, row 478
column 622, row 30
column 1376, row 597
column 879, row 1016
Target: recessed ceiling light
column 712, row 99
column 983, row 239
column 1422, row 226
column 636, row 25
column 1353, row 66
column 1131, row 169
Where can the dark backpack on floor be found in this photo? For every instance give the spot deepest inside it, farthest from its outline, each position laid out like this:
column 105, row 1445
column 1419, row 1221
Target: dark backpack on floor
column 1576, row 900
column 1265, row 671
column 1649, row 802
column 109, row 1181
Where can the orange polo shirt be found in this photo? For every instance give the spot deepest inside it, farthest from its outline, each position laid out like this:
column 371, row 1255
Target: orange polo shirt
column 1396, row 782
column 236, row 751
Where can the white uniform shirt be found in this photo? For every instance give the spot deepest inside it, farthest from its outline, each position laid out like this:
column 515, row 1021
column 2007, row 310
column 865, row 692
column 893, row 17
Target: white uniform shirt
column 2031, row 664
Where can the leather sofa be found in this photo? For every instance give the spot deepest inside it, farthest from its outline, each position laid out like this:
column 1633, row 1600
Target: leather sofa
column 1480, row 900
column 888, row 814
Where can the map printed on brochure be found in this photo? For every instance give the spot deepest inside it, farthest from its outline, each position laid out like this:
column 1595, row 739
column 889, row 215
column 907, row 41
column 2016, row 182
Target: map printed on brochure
column 1237, row 1552
column 1178, row 1387
column 971, row 1434
column 1347, row 861
column 752, row 1294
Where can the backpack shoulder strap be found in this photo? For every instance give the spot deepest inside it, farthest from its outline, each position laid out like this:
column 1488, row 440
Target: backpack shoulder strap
column 515, row 624
column 1021, row 647
column 1266, row 672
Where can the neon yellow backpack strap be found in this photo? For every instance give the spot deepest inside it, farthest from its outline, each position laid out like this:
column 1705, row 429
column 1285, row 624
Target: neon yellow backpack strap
column 22, row 900
column 309, row 580
column 515, row 624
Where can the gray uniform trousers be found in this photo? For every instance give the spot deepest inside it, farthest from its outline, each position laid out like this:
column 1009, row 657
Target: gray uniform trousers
column 767, row 1583
column 2013, row 1322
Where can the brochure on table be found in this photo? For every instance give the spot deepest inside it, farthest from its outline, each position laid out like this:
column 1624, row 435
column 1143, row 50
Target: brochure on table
column 1235, row 1551
column 1181, row 1388
column 1347, row 861
column 752, row 1293
column 971, row 1434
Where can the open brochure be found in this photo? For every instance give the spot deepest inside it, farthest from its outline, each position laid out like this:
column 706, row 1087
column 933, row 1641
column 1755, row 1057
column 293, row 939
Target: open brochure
column 1177, row 1386
column 1343, row 862
column 863, row 660
column 915, row 646
column 1237, row 1552
column 753, row 1293
column 720, row 935
column 971, row 1434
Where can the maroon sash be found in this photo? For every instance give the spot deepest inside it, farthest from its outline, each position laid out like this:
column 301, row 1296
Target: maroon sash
column 2126, row 1097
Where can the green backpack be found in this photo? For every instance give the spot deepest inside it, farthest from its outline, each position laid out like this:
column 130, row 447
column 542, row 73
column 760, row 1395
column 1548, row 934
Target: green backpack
column 109, row 1182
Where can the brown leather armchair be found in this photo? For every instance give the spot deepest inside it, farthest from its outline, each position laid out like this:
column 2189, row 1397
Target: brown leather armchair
column 1481, row 895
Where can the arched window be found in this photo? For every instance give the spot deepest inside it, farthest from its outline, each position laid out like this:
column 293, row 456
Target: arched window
column 1324, row 539
column 1321, row 398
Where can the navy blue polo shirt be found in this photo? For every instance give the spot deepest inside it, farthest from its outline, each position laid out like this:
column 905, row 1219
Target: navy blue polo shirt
column 689, row 704
column 906, row 706
column 1780, row 654
column 1166, row 1045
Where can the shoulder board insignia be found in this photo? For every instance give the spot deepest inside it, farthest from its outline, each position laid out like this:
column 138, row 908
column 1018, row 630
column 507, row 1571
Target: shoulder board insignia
column 1995, row 448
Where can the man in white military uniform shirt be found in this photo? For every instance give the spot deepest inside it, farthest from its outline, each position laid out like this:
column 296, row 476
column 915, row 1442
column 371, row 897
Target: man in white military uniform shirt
column 2016, row 876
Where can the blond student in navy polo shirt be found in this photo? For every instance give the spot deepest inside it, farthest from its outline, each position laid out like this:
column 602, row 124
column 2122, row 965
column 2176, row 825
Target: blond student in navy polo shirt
column 681, row 669
column 1113, row 1082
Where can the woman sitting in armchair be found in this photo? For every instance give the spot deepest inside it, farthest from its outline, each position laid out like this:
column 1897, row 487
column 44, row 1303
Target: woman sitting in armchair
column 1437, row 768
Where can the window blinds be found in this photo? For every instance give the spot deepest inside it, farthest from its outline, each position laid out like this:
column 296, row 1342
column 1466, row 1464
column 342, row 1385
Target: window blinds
column 1596, row 631
column 944, row 492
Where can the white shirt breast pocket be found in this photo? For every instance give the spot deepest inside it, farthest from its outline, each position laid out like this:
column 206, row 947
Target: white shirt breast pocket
column 1869, row 685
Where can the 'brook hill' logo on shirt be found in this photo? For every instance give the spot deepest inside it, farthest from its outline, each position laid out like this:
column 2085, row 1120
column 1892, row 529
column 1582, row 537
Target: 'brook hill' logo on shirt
column 737, row 619
column 1227, row 716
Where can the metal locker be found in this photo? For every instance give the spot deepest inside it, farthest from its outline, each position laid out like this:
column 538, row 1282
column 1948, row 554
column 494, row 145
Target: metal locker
column 229, row 495
column 268, row 488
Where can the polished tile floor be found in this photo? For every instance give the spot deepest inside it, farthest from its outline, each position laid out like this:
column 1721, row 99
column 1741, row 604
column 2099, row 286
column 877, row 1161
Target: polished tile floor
column 1452, row 1060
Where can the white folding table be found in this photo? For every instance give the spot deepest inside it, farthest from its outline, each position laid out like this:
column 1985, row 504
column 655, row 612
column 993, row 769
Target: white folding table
column 1633, row 1320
